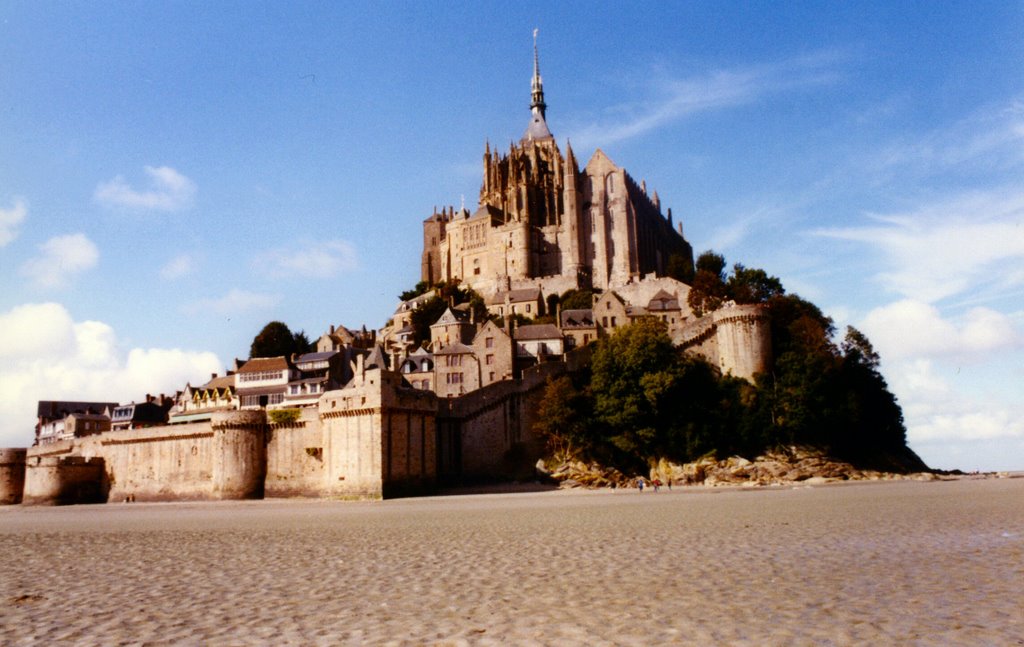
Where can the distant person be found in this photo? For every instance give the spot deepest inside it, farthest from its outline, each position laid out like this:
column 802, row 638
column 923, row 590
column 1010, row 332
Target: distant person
column 657, row 484
column 640, row 485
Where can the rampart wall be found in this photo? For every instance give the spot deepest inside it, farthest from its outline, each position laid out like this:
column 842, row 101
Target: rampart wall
column 12, row 475
column 735, row 338
column 295, row 457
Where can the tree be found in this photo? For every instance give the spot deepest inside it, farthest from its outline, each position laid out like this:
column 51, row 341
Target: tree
column 680, row 268
column 276, row 339
column 749, row 285
column 563, row 416
column 445, row 294
column 421, row 288
column 633, row 372
column 577, row 300
column 708, row 291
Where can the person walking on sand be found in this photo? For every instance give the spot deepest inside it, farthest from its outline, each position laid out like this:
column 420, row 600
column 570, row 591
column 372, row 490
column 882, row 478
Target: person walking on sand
column 657, row 485
column 640, row 485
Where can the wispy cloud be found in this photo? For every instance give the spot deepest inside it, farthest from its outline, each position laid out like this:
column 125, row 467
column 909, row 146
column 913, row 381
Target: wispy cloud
column 178, row 267
column 10, row 219
column 234, row 302
column 320, row 259
column 990, row 139
column 676, row 99
column 168, row 190
column 962, row 244
column 60, row 259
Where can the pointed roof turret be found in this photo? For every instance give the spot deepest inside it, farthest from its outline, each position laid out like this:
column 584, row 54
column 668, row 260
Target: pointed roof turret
column 538, row 128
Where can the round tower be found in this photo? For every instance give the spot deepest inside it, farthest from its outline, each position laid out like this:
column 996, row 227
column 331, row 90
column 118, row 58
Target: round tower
column 744, row 339
column 239, row 454
column 12, row 475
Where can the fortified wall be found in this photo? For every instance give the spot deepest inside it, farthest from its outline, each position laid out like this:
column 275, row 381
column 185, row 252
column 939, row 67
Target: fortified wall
column 375, row 438
column 735, row 338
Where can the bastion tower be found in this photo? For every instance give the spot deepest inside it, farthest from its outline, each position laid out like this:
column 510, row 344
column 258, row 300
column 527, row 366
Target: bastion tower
column 541, row 220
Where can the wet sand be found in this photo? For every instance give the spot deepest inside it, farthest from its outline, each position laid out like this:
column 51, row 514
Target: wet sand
column 889, row 563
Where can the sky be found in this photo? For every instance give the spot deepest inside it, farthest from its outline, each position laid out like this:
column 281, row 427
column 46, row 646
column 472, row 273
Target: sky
column 174, row 175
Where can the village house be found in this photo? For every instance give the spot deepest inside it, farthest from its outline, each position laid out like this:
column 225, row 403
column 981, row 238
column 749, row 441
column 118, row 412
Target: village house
column 196, row 403
column 578, row 327
column 263, row 381
column 418, row 369
column 139, row 415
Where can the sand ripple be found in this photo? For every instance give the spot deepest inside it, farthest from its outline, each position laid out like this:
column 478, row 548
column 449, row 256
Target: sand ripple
column 907, row 563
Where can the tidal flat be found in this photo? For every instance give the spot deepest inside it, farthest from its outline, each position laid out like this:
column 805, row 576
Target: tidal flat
column 875, row 563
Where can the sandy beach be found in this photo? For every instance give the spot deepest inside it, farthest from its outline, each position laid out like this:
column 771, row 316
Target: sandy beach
column 886, row 563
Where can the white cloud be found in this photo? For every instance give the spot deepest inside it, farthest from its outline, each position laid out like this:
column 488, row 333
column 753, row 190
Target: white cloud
column 61, row 258
column 679, row 98
column 323, row 259
column 178, row 267
column 914, row 329
column 46, row 355
column 948, row 248
column 169, row 190
column 234, row 302
column 10, row 219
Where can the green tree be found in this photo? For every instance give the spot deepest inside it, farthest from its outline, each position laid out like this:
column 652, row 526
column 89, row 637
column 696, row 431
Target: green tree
column 421, row 288
column 749, row 285
column 680, row 268
column 564, row 417
column 632, row 373
column 276, row 339
column 708, row 291
column 577, row 300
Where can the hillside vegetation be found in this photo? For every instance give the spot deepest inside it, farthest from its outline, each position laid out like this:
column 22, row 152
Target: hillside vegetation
column 641, row 400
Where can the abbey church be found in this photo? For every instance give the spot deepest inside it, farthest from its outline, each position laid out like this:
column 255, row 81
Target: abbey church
column 543, row 222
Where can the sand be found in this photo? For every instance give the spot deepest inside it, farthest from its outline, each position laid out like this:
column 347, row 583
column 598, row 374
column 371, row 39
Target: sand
column 936, row 563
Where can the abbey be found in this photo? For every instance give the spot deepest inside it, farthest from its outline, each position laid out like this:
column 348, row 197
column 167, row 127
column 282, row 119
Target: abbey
column 543, row 222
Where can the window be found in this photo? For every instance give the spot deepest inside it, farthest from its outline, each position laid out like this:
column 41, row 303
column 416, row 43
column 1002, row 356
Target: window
column 489, row 342
column 604, row 321
column 491, row 376
column 489, row 360
column 613, row 322
column 528, row 306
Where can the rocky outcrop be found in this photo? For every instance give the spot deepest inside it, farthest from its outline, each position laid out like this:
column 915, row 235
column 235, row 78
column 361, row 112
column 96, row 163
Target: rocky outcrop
column 785, row 466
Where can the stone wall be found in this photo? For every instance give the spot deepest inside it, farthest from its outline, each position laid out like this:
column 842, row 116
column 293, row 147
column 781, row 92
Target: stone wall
column 488, row 434
column 735, row 338
column 12, row 475
column 378, row 437
column 51, row 480
column 295, row 457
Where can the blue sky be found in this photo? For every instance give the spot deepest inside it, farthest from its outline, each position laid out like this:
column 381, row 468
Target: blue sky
column 175, row 175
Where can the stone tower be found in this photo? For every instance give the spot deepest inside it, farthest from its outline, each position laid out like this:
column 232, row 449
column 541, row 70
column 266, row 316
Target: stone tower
column 542, row 221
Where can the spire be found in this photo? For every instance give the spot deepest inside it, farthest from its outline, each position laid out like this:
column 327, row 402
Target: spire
column 538, row 128
column 537, row 86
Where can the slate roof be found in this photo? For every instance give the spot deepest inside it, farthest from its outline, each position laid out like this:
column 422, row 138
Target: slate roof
column 514, row 296
column 315, row 357
column 264, row 364
column 538, row 331
column 455, row 349
column 61, row 408
column 450, row 317
column 580, row 318
column 663, row 301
